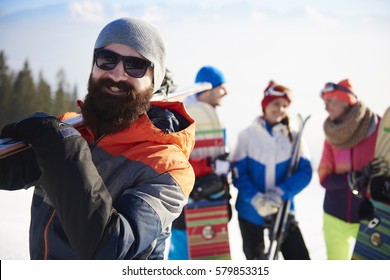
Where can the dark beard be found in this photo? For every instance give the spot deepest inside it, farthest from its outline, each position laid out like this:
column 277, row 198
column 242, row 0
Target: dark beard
column 108, row 114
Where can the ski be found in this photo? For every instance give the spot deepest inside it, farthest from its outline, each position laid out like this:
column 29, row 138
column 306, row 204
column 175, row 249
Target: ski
column 180, row 93
column 281, row 221
column 10, row 146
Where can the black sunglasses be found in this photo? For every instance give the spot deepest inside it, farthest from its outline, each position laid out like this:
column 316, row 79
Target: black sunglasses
column 134, row 66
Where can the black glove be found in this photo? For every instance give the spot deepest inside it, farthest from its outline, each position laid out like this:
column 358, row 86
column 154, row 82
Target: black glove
column 380, row 189
column 377, row 167
column 358, row 180
column 30, row 127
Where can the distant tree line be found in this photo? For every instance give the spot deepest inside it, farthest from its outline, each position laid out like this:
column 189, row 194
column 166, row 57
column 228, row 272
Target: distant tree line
column 21, row 96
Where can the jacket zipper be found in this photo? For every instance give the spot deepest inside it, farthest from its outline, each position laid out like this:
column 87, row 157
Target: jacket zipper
column 46, row 245
column 95, row 142
column 349, row 204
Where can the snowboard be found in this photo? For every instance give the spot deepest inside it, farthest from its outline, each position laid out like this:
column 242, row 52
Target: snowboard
column 373, row 240
column 207, row 219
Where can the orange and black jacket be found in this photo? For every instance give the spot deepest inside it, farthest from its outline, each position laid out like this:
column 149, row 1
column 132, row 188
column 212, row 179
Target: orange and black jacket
column 114, row 198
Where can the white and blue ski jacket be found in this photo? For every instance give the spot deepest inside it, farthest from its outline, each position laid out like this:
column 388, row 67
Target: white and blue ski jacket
column 260, row 162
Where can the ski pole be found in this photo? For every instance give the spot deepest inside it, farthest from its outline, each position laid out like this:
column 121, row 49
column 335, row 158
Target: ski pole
column 278, row 231
column 9, row 146
column 281, row 221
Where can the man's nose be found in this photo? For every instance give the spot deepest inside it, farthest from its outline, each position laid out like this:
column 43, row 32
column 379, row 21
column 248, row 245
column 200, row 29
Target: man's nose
column 118, row 73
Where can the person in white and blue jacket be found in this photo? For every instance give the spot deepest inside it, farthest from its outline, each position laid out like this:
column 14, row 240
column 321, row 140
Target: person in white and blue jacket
column 260, row 165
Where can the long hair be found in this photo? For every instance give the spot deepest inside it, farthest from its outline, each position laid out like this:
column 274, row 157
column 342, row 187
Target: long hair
column 286, row 122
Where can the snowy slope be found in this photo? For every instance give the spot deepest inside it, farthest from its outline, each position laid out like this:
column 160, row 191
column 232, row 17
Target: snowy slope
column 15, row 218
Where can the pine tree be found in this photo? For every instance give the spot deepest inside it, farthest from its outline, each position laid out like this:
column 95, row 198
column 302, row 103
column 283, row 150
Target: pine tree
column 24, row 97
column 20, row 96
column 5, row 91
column 73, row 106
column 60, row 100
column 44, row 99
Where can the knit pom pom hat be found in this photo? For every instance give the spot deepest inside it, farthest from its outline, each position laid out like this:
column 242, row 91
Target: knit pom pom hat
column 274, row 91
column 343, row 91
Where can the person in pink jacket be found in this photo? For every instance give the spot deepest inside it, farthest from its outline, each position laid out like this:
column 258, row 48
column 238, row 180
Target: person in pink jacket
column 346, row 165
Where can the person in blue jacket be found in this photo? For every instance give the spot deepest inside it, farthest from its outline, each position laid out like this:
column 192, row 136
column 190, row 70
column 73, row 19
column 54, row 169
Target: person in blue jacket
column 260, row 166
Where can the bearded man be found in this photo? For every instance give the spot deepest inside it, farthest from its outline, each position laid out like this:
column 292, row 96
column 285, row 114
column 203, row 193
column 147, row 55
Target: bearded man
column 110, row 189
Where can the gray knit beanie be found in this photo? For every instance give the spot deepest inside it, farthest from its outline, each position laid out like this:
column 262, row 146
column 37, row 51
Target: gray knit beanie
column 141, row 36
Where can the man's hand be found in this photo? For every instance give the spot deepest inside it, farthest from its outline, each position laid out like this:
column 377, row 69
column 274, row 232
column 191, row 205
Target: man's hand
column 27, row 128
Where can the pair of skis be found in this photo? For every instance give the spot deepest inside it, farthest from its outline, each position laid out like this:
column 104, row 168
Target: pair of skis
column 280, row 225
column 9, row 146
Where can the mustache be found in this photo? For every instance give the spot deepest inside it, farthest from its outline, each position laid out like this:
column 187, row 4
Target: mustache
column 123, row 86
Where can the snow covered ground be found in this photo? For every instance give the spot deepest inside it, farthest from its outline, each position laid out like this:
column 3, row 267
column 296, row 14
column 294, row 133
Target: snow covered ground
column 15, row 217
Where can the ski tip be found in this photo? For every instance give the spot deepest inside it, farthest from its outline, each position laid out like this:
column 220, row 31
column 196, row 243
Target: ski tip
column 300, row 117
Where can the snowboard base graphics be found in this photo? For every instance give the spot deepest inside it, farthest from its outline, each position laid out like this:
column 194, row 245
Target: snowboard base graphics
column 373, row 240
column 207, row 219
column 207, row 230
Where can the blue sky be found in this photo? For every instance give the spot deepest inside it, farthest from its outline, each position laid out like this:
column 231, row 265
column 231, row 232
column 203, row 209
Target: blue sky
column 335, row 6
